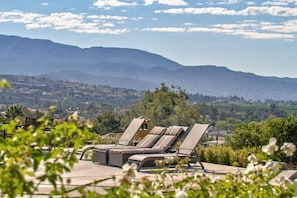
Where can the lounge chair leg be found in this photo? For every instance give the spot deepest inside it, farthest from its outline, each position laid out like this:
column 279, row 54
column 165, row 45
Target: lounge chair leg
column 202, row 166
column 81, row 156
column 139, row 165
column 138, row 168
column 84, row 151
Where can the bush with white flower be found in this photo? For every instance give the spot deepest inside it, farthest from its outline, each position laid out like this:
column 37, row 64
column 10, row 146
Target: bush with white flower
column 255, row 181
column 27, row 150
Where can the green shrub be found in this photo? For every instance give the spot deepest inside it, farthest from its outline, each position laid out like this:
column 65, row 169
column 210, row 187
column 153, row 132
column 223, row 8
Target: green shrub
column 225, row 155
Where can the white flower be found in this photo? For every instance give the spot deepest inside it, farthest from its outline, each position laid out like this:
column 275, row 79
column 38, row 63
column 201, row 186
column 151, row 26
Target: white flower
column 215, row 179
column 74, row 116
column 180, row 194
column 133, row 166
column 126, row 168
column 271, row 166
column 284, row 182
column 289, row 148
column 160, row 193
column 252, row 158
column 259, row 168
column 130, row 170
column 271, row 147
column 89, row 124
column 169, row 159
column 253, row 168
column 249, row 168
column 212, row 192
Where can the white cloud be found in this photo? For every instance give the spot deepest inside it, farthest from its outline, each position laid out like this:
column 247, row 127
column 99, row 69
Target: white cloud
column 171, row 11
column 165, row 29
column 188, row 24
column 66, row 21
column 250, row 3
column 102, row 31
column 107, row 17
column 173, row 2
column 31, row 26
column 275, row 3
column 273, row 10
column 108, row 24
column 149, row 2
column 61, row 21
column 17, row 16
column 167, row 2
column 261, row 35
column 286, row 27
column 229, row 2
column 208, row 10
column 209, row 29
column 112, row 3
column 249, row 11
column 44, row 4
column 244, row 33
column 237, row 25
column 250, row 29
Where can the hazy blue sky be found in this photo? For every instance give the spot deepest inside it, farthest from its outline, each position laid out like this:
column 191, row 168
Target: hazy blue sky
column 249, row 36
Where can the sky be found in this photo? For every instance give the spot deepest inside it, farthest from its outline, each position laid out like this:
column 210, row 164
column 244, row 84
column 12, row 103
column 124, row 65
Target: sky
column 253, row 36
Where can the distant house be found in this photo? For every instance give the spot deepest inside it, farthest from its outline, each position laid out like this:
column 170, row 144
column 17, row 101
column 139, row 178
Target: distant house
column 219, row 136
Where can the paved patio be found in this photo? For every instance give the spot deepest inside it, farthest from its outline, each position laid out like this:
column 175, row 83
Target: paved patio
column 86, row 172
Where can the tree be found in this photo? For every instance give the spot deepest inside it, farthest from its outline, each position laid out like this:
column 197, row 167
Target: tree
column 247, row 135
column 213, row 112
column 255, row 134
column 107, row 122
column 167, row 106
column 14, row 111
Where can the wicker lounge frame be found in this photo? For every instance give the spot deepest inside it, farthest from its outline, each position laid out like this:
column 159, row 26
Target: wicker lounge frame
column 118, row 157
column 125, row 139
column 101, row 154
column 186, row 149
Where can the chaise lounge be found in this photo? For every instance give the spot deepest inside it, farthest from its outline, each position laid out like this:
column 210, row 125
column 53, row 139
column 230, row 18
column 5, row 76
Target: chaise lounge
column 186, row 149
column 125, row 139
column 101, row 153
column 118, row 157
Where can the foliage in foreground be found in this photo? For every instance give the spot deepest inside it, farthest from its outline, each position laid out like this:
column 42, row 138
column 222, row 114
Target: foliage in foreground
column 255, row 181
column 24, row 151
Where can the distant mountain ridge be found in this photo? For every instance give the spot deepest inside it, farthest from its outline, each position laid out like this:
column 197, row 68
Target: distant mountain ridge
column 134, row 69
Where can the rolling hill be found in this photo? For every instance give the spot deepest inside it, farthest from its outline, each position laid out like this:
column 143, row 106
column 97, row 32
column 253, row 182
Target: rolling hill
column 133, row 69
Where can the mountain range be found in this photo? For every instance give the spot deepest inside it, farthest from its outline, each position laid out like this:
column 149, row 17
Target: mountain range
column 134, row 69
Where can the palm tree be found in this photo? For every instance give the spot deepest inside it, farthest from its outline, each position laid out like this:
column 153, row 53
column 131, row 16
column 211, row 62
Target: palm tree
column 14, row 111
